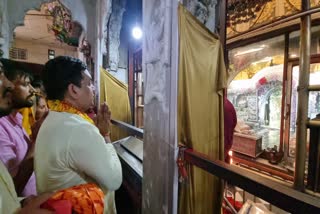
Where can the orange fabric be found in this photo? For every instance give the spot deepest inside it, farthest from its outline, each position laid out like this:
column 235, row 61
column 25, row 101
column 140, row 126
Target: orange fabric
column 85, row 198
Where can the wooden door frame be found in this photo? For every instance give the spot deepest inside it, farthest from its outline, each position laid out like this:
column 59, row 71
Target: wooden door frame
column 288, row 96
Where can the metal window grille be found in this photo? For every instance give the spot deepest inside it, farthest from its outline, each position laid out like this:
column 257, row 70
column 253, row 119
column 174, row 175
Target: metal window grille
column 18, row 53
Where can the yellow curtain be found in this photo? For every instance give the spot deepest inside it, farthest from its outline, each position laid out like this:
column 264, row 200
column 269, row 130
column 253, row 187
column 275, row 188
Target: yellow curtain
column 115, row 93
column 202, row 77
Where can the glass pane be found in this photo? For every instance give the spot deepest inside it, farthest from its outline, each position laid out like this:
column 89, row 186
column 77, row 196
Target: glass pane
column 294, row 40
column 314, row 101
column 256, row 90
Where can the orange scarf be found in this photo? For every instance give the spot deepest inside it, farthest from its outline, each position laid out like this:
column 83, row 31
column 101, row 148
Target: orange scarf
column 82, row 199
column 62, row 106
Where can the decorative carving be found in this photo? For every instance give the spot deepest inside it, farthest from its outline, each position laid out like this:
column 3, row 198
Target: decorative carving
column 204, row 10
column 212, row 13
column 242, row 11
column 115, row 25
column 106, row 11
column 62, row 22
column 244, row 15
column 17, row 15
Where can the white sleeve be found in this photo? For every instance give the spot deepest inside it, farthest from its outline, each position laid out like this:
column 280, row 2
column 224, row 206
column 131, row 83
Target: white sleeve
column 90, row 155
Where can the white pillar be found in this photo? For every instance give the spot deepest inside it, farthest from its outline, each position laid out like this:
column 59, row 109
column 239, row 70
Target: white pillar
column 160, row 70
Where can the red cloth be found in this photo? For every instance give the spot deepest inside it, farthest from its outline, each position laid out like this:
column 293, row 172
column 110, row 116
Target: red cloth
column 59, row 207
column 237, row 205
column 230, row 122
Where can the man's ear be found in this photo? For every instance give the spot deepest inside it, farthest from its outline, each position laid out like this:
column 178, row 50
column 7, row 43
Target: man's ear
column 73, row 91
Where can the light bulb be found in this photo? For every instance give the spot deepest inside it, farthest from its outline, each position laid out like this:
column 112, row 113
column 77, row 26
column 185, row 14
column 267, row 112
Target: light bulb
column 137, row 32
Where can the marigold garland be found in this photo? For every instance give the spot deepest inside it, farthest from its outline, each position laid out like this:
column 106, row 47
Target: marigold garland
column 62, row 106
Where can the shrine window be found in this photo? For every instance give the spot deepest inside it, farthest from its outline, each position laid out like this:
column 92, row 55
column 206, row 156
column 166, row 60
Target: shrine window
column 256, row 90
column 263, row 89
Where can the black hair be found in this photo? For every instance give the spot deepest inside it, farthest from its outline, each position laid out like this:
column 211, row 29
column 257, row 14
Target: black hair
column 37, row 82
column 59, row 72
column 38, row 97
column 14, row 70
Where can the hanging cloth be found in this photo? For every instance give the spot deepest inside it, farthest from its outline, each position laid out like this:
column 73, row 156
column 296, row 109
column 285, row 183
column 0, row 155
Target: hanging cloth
column 202, row 77
column 115, row 94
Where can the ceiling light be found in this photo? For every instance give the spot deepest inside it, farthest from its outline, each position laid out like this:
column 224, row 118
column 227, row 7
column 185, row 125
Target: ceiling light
column 137, row 32
column 266, row 59
column 250, row 50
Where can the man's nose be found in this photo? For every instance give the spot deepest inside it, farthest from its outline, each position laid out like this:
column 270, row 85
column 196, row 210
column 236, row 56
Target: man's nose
column 8, row 84
column 32, row 90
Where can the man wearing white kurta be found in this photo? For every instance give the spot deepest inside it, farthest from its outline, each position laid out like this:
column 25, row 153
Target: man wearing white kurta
column 9, row 201
column 70, row 150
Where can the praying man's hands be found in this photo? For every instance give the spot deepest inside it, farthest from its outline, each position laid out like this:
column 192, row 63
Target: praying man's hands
column 103, row 120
